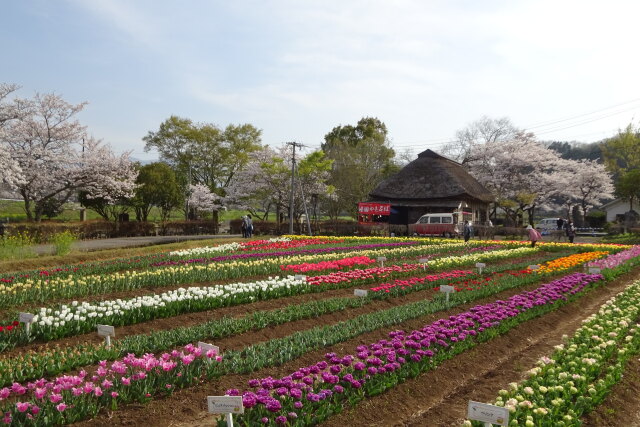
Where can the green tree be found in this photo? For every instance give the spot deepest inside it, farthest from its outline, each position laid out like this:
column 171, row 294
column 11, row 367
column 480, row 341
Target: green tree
column 622, row 152
column 202, row 153
column 628, row 186
column 362, row 158
column 108, row 209
column 157, row 186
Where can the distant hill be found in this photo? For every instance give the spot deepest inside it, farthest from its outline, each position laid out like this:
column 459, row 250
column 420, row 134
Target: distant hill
column 576, row 150
column 144, row 162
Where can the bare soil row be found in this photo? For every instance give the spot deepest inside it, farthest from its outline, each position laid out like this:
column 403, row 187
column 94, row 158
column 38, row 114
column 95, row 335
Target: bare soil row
column 436, row 398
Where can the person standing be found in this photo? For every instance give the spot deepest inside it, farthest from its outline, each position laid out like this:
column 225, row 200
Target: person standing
column 249, row 226
column 466, row 231
column 534, row 235
column 571, row 231
column 243, row 226
column 560, row 223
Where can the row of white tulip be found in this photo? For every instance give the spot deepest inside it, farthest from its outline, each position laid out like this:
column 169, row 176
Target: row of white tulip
column 582, row 370
column 79, row 317
column 225, row 247
column 41, row 289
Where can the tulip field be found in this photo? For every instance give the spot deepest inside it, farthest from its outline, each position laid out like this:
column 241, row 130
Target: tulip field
column 324, row 331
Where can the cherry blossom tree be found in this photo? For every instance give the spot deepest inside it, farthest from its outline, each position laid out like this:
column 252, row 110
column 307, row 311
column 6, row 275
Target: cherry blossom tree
column 520, row 172
column 106, row 180
column 265, row 182
column 591, row 184
column 485, row 130
column 10, row 172
column 43, row 137
column 261, row 184
column 203, row 199
column 10, row 110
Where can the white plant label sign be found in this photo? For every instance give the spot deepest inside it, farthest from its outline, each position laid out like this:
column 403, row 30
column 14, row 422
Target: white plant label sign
column 480, row 266
column 106, row 331
column 534, row 267
column 300, row 277
column 594, row 270
column 488, row 413
column 360, row 292
column 25, row 317
column 447, row 289
column 205, row 347
column 225, row 405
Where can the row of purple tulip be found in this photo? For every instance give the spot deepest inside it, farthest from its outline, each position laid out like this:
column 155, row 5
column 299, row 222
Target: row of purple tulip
column 311, row 393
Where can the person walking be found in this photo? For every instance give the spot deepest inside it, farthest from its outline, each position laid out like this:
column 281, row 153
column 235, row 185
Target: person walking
column 466, row 232
column 534, row 235
column 571, row 231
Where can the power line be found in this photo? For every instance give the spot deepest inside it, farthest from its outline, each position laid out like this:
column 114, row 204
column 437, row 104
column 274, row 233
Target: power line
column 544, row 123
column 544, row 127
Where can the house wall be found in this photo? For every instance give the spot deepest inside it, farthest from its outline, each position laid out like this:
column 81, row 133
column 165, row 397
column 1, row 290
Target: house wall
column 617, row 208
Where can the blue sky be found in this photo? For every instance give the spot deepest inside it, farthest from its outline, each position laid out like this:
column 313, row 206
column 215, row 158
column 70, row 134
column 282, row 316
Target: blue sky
column 295, row 69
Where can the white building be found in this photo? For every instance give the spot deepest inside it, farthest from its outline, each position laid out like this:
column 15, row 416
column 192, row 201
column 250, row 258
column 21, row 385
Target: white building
column 615, row 208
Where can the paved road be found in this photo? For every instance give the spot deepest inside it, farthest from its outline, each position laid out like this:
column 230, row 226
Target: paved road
column 128, row 242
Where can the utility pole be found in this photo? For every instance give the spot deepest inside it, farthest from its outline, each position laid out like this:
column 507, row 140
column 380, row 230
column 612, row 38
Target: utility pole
column 83, row 210
column 293, row 174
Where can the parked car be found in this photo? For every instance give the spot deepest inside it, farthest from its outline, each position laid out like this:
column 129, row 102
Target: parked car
column 547, row 224
column 438, row 224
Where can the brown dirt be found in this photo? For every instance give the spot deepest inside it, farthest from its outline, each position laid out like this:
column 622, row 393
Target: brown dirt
column 436, row 398
column 621, row 407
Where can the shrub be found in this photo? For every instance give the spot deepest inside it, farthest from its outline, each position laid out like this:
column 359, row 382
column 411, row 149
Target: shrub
column 17, row 246
column 63, row 241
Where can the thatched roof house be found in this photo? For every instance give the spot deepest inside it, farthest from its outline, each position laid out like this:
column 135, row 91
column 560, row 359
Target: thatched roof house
column 432, row 184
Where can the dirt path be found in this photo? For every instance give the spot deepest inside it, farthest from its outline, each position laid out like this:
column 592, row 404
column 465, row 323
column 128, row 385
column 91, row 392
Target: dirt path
column 436, row 398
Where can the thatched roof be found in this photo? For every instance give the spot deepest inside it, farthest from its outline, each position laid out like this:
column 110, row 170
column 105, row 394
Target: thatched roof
column 431, row 176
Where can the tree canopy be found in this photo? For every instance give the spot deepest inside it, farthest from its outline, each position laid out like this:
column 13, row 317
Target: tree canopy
column 157, row 187
column 203, row 153
column 362, row 158
column 628, row 186
column 622, row 152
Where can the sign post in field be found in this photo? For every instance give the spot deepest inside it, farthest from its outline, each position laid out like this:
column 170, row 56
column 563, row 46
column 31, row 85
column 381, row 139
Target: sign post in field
column 489, row 414
column 227, row 405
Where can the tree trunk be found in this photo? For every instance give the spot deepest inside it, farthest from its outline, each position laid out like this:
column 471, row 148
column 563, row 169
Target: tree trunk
column 37, row 212
column 214, row 218
column 27, row 205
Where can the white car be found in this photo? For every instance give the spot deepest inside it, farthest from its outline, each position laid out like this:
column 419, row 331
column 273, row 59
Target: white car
column 547, row 224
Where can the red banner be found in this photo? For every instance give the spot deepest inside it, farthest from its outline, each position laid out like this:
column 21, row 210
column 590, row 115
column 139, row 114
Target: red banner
column 368, row 208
